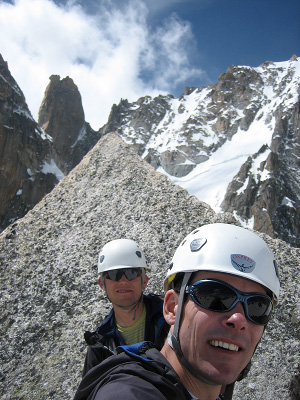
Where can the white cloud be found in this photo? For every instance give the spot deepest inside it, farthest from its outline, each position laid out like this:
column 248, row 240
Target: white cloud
column 111, row 54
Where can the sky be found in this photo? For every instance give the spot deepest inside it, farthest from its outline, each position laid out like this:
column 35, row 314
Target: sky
column 126, row 49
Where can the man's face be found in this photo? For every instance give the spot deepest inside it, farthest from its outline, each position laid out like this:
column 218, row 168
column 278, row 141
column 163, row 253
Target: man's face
column 206, row 335
column 123, row 292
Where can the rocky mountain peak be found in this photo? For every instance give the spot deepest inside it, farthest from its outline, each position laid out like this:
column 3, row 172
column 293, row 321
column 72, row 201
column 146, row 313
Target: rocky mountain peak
column 27, row 170
column 9, row 90
column 61, row 99
column 61, row 115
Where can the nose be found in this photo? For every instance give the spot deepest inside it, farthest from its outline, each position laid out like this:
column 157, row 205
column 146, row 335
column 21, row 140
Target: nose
column 123, row 278
column 236, row 318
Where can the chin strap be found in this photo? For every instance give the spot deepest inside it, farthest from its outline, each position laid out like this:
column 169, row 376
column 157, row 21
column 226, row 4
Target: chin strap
column 230, row 388
column 131, row 306
column 228, row 391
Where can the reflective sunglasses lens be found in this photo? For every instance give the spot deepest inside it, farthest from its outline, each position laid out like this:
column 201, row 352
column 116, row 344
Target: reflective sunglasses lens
column 116, row 274
column 112, row 275
column 131, row 273
column 259, row 309
column 214, row 296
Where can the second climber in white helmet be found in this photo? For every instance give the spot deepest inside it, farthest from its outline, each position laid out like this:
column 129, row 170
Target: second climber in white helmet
column 220, row 289
column 135, row 317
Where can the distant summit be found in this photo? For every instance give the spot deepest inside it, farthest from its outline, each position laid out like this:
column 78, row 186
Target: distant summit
column 61, row 115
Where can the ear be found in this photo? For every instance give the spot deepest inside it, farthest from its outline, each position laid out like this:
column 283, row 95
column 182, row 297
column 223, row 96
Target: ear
column 170, row 306
column 146, row 279
column 100, row 283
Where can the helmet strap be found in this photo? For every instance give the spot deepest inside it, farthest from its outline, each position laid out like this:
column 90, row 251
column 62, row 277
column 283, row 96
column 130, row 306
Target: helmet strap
column 136, row 303
column 184, row 283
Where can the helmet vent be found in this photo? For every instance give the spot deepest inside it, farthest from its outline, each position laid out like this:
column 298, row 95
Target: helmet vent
column 197, row 244
column 101, row 259
column 139, row 254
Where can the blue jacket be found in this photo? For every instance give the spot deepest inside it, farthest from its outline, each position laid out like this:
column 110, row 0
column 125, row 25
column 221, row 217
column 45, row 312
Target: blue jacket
column 104, row 341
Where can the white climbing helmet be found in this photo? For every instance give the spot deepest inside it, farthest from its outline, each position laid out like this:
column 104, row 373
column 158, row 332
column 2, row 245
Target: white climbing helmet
column 121, row 253
column 228, row 249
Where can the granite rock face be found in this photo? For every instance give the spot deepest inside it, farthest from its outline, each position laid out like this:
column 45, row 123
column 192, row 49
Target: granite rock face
column 27, row 169
column 49, row 285
column 35, row 157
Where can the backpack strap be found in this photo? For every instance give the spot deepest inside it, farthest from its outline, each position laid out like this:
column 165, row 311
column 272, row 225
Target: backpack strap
column 136, row 350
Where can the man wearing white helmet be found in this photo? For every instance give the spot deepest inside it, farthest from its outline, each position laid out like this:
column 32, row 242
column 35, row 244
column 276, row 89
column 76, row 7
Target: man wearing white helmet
column 134, row 317
column 220, row 288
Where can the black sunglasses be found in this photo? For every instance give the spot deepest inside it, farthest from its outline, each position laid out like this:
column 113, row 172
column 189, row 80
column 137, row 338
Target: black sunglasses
column 116, row 274
column 219, row 296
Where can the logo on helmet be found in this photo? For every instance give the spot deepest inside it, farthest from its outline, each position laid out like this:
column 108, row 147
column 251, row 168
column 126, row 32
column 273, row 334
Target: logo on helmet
column 242, row 263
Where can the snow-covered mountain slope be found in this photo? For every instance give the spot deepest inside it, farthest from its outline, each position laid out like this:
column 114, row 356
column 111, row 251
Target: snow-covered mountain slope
column 234, row 145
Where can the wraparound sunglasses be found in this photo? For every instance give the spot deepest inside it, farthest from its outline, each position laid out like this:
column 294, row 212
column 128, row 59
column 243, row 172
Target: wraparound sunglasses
column 129, row 273
column 219, row 296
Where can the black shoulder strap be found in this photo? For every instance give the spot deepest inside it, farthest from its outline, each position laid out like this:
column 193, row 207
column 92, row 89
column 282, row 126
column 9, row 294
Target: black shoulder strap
column 228, row 392
column 229, row 388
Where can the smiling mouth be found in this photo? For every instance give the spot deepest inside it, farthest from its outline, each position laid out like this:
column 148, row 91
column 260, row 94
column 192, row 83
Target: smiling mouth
column 224, row 345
